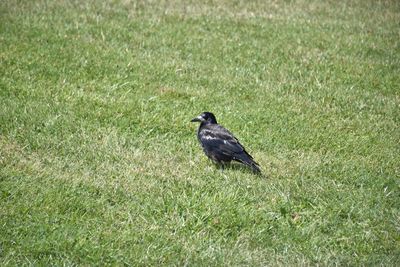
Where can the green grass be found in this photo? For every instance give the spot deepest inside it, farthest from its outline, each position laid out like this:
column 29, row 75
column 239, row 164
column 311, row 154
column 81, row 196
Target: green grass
column 100, row 165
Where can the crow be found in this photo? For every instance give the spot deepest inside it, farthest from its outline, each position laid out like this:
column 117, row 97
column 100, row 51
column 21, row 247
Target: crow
column 220, row 145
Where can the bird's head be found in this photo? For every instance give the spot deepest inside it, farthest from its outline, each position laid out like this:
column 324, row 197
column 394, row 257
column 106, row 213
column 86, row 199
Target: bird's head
column 205, row 117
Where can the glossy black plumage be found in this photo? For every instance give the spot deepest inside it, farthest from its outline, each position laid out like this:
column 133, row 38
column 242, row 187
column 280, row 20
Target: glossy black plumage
column 219, row 144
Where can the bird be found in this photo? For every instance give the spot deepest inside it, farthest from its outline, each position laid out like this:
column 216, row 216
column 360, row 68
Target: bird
column 220, row 145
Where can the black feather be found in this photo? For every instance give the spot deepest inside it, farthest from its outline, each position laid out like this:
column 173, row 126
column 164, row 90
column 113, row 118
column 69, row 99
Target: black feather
column 220, row 145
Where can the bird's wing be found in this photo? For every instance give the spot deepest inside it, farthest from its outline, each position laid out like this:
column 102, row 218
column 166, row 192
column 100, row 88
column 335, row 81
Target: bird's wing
column 217, row 137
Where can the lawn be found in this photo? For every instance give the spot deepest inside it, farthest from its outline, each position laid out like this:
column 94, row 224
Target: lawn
column 100, row 165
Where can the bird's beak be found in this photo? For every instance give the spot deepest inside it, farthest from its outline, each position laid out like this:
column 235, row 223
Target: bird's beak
column 199, row 118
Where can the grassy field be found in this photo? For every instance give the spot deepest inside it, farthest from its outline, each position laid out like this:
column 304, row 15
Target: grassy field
column 99, row 164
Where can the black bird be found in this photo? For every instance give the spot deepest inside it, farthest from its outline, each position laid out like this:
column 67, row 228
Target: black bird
column 219, row 144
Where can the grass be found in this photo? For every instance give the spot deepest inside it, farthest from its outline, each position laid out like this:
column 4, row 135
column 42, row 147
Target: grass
column 99, row 164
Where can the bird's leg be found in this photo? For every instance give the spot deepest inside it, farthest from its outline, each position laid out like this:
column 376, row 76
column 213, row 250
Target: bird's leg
column 218, row 164
column 222, row 166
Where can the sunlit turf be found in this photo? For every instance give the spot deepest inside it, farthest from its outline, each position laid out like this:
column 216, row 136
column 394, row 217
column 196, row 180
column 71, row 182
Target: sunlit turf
column 99, row 163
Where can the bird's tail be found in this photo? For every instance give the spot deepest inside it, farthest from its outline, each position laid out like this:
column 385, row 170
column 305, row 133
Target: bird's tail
column 254, row 166
column 248, row 160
